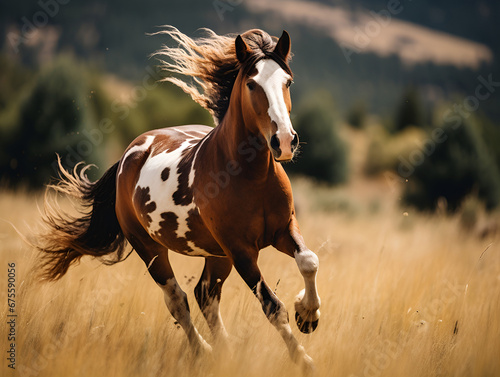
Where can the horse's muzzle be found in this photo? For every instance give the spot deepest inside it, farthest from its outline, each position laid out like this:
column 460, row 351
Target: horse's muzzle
column 285, row 154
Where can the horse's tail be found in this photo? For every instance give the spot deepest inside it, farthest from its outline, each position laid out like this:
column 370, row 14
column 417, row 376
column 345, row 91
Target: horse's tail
column 94, row 231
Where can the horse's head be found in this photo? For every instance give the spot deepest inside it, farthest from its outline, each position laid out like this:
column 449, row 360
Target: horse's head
column 264, row 87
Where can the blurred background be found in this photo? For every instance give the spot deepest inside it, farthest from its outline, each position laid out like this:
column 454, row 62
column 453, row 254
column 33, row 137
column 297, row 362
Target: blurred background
column 397, row 187
column 398, row 97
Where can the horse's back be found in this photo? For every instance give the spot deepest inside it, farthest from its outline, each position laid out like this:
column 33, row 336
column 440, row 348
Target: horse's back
column 155, row 174
column 153, row 143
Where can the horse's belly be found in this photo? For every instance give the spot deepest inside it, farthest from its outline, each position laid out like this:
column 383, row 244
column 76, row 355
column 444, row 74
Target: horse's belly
column 163, row 201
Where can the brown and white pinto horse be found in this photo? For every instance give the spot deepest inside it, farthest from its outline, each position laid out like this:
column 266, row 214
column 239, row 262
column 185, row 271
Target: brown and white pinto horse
column 219, row 193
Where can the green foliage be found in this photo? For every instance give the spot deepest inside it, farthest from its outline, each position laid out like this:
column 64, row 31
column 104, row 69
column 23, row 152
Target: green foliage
column 356, row 116
column 48, row 121
column 323, row 153
column 164, row 106
column 490, row 133
column 470, row 211
column 386, row 150
column 459, row 166
column 409, row 112
column 13, row 77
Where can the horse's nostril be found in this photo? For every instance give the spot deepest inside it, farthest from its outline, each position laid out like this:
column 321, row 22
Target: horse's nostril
column 275, row 143
column 295, row 141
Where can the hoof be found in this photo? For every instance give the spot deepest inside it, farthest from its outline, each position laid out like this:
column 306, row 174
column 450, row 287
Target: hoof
column 308, row 368
column 306, row 327
column 201, row 349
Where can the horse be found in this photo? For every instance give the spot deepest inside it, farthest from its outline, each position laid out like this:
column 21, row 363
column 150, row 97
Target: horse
column 220, row 192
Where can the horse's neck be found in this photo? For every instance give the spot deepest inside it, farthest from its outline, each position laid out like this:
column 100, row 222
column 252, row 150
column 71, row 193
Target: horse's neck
column 240, row 146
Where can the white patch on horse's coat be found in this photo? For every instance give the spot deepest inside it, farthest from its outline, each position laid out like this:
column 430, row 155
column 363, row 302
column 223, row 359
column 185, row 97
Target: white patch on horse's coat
column 161, row 192
column 182, row 132
column 307, row 262
column 271, row 77
column 136, row 148
column 195, row 248
column 307, row 302
column 218, row 328
column 212, row 314
column 152, row 260
column 175, row 298
column 192, row 172
column 258, row 288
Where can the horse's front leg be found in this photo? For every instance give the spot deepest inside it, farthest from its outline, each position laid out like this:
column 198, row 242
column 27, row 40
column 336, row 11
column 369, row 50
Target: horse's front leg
column 307, row 302
column 245, row 262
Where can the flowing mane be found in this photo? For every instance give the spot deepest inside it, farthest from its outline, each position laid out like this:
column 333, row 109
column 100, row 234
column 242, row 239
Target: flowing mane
column 212, row 63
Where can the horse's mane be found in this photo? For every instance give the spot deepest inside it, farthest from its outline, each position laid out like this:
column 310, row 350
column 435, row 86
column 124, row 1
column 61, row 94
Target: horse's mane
column 211, row 62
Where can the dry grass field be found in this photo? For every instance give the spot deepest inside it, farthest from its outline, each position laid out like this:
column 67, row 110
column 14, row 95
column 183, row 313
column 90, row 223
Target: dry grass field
column 402, row 294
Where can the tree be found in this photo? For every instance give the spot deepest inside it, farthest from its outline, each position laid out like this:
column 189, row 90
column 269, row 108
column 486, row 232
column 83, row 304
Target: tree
column 356, row 116
column 323, row 153
column 49, row 121
column 409, row 111
column 459, row 166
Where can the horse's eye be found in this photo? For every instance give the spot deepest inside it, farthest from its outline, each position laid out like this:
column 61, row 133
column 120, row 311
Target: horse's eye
column 289, row 83
column 251, row 85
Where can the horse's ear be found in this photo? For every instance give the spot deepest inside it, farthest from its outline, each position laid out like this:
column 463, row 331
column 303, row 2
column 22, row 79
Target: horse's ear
column 283, row 46
column 242, row 50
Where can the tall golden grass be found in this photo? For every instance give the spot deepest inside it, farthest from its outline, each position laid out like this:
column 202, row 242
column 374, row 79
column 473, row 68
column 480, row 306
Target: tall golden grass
column 403, row 294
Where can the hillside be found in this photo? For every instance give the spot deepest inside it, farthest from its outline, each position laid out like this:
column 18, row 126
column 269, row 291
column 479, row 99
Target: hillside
column 440, row 47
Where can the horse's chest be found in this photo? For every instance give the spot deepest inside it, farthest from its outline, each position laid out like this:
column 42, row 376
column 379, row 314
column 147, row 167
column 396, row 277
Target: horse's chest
column 245, row 213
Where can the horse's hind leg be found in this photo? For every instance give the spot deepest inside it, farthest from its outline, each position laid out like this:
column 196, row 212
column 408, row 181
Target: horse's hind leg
column 156, row 258
column 176, row 301
column 208, row 292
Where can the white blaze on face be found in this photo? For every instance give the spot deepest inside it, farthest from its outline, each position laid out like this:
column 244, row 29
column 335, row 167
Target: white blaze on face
column 271, row 77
